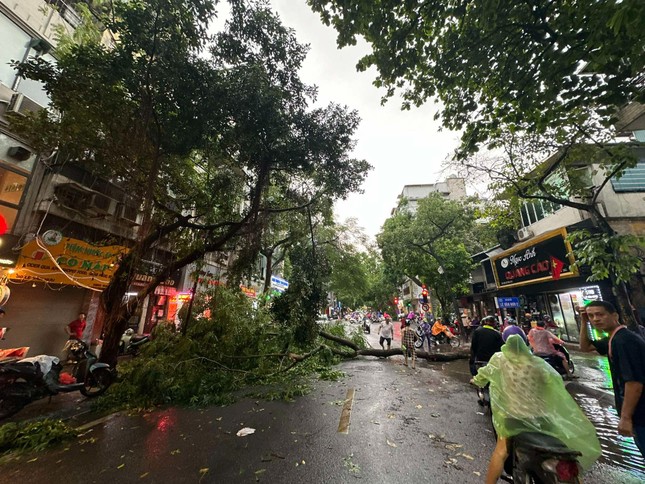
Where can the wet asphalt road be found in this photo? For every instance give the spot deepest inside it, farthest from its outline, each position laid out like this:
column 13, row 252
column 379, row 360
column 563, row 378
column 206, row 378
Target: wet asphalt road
column 406, row 426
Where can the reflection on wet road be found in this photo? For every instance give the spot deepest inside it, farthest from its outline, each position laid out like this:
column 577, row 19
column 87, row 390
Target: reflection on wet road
column 593, row 392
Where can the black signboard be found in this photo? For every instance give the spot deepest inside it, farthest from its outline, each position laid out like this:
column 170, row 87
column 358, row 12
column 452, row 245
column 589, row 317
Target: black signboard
column 541, row 259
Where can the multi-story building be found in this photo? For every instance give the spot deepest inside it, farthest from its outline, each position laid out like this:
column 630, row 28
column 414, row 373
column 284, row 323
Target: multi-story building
column 65, row 227
column 452, row 188
column 535, row 274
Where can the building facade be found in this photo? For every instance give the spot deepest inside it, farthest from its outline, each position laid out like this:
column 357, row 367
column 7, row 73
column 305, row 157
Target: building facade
column 535, row 276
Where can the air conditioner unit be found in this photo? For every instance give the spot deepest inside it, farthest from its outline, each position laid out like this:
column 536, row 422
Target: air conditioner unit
column 102, row 204
column 21, row 104
column 129, row 214
column 72, row 196
column 19, row 153
column 524, row 234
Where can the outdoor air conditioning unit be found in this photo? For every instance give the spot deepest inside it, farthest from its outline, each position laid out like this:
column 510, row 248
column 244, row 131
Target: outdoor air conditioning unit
column 21, row 104
column 129, row 214
column 524, row 234
column 102, row 204
column 72, row 196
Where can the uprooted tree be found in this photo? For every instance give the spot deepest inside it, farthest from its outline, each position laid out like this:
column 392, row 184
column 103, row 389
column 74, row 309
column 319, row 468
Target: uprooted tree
column 199, row 129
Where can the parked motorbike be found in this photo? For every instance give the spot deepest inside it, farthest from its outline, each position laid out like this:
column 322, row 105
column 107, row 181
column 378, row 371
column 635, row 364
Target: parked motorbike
column 131, row 343
column 422, row 336
column 23, row 382
column 556, row 362
column 367, row 327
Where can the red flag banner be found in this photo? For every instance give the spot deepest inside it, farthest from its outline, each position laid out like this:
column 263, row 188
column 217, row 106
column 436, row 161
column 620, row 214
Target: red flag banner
column 556, row 268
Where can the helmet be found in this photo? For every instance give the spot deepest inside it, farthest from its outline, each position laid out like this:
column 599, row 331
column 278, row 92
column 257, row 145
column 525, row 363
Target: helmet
column 489, row 320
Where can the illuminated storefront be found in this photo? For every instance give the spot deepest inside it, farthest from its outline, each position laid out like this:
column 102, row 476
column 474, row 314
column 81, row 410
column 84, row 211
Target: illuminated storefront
column 541, row 275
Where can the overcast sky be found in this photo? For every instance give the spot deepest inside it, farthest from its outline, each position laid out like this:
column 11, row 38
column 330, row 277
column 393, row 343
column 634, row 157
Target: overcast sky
column 403, row 147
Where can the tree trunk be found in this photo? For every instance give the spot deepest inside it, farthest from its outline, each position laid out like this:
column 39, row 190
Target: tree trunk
column 356, row 351
column 625, row 307
column 268, row 253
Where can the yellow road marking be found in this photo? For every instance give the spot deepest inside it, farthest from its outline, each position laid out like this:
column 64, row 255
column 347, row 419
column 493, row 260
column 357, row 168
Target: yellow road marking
column 345, row 415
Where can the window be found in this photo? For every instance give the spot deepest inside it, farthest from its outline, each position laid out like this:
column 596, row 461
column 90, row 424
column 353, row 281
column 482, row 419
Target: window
column 632, row 181
column 533, row 211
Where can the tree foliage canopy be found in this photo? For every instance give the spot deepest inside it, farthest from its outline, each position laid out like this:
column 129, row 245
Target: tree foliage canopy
column 430, row 246
column 495, row 65
column 209, row 134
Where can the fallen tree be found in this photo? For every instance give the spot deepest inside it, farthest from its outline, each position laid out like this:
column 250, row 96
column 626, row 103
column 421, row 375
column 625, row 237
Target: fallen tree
column 357, row 351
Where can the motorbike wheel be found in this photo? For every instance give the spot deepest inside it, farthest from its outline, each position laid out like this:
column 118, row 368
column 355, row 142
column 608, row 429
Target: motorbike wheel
column 455, row 342
column 418, row 343
column 10, row 405
column 572, row 367
column 97, row 382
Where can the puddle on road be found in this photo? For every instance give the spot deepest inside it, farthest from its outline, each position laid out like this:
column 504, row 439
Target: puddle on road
column 616, row 450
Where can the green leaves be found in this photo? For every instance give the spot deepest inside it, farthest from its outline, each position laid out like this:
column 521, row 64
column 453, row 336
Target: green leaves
column 618, row 257
column 492, row 64
column 430, row 244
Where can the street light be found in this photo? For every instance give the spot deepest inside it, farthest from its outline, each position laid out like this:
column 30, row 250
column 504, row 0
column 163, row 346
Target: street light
column 440, row 270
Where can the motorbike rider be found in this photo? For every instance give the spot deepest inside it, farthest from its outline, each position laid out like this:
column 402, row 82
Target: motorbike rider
column 513, row 328
column 439, row 328
column 528, row 395
column 542, row 340
column 485, row 343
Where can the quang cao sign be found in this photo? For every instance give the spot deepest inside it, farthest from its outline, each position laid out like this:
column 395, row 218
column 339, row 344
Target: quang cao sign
column 544, row 258
column 67, row 261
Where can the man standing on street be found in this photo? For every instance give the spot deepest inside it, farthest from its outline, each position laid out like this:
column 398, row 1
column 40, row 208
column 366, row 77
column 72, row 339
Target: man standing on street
column 626, row 352
column 75, row 328
column 385, row 330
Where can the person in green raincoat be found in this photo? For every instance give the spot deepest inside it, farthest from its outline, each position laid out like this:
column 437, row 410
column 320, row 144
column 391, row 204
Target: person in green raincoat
column 528, row 395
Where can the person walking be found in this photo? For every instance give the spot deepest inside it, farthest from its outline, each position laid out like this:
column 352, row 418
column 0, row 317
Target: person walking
column 385, row 330
column 626, row 352
column 408, row 338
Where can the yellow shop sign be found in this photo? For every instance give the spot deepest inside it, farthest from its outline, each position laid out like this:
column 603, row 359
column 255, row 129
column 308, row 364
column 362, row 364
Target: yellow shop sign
column 67, row 261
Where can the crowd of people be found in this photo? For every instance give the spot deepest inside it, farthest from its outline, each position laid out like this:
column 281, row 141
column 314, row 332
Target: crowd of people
column 526, row 393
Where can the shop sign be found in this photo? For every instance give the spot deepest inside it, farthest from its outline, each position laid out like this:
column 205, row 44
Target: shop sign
column 508, row 302
column 249, row 291
column 67, row 261
column 279, row 283
column 591, row 293
column 542, row 259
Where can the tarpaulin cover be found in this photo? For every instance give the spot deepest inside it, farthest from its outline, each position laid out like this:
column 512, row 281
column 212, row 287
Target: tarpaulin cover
column 528, row 395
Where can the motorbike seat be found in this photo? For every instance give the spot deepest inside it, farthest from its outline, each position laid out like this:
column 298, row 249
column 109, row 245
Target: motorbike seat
column 542, row 442
column 138, row 338
column 21, row 368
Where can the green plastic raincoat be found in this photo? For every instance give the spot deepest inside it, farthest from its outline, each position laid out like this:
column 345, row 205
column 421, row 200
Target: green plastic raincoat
column 528, row 395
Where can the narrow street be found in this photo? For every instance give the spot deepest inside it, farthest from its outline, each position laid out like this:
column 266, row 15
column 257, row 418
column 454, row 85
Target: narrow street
column 404, row 426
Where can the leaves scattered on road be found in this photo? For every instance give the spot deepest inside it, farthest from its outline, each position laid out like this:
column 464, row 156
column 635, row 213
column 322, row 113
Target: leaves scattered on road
column 353, row 468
